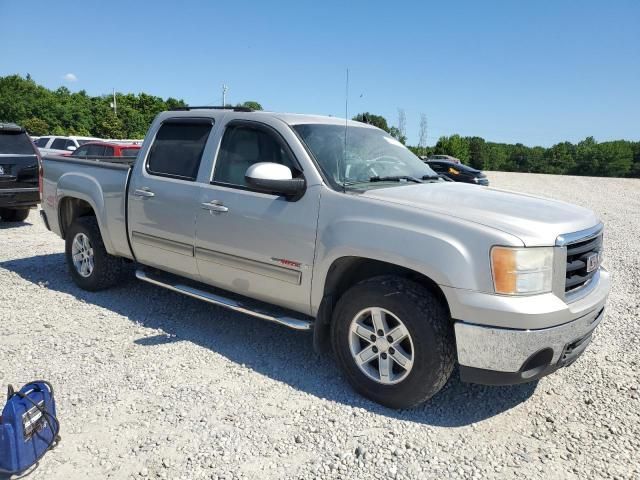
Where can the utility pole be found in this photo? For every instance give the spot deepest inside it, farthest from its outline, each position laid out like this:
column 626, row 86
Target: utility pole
column 224, row 95
column 113, row 104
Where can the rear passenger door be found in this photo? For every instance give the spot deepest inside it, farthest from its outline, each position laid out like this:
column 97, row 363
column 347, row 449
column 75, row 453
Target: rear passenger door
column 164, row 196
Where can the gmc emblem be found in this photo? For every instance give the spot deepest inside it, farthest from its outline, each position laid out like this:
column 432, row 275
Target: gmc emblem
column 593, row 261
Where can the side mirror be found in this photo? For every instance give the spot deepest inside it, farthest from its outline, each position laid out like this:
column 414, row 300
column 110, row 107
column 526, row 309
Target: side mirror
column 71, row 148
column 274, row 178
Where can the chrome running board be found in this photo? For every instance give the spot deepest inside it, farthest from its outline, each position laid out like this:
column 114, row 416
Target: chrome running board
column 251, row 307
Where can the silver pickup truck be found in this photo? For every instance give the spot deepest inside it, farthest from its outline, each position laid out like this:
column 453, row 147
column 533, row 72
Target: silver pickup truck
column 323, row 224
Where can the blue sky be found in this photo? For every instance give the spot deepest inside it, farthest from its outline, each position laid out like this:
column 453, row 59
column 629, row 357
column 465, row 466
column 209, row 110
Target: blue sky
column 532, row 72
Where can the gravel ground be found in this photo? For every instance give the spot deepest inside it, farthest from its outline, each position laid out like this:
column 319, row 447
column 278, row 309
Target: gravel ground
column 154, row 384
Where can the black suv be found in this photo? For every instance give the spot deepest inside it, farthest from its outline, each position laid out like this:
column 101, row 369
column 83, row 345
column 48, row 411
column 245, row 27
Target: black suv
column 19, row 173
column 458, row 172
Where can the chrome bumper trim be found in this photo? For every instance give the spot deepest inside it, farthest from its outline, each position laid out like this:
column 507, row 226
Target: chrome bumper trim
column 506, row 350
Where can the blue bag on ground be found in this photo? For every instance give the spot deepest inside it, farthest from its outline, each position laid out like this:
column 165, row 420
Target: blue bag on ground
column 28, row 427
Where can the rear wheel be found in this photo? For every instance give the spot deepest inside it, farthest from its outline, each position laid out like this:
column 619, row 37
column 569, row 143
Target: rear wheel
column 91, row 267
column 14, row 215
column 393, row 340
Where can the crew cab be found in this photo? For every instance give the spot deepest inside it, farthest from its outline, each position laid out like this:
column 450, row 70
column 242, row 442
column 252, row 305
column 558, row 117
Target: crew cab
column 332, row 226
column 19, row 166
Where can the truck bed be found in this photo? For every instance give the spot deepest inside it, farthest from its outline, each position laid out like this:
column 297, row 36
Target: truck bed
column 93, row 160
column 101, row 182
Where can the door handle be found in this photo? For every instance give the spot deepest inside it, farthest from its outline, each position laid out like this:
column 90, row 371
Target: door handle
column 143, row 192
column 215, row 206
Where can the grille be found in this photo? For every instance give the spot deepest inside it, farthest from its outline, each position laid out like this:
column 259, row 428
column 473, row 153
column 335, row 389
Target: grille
column 577, row 254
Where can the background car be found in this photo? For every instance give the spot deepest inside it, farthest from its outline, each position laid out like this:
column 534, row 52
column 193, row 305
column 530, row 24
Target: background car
column 106, row 149
column 56, row 145
column 444, row 158
column 19, row 169
column 458, row 172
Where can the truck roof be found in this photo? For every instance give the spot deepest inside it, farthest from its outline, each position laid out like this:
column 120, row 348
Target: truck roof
column 288, row 118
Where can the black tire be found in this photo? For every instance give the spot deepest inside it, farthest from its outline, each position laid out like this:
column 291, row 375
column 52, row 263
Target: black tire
column 428, row 323
column 14, row 215
column 107, row 269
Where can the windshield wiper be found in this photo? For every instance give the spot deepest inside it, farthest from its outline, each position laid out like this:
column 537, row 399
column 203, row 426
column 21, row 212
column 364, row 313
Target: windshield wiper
column 431, row 177
column 395, row 178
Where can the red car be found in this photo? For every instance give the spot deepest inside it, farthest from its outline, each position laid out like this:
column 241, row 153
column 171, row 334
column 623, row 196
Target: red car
column 106, row 149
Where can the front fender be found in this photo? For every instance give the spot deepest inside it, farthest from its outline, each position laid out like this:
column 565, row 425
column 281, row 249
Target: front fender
column 449, row 251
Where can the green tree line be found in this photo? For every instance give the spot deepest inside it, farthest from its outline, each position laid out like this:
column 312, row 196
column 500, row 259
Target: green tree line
column 60, row 112
column 618, row 158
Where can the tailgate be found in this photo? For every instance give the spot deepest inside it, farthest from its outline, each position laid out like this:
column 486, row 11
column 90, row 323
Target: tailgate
column 18, row 171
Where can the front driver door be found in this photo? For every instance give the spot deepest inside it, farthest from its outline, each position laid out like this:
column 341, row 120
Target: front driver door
column 256, row 244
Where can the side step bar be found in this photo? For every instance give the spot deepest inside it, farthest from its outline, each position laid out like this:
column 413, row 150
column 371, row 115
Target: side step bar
column 262, row 311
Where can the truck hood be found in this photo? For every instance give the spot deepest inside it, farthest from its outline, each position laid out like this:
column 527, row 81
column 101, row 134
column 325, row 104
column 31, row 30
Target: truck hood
column 535, row 220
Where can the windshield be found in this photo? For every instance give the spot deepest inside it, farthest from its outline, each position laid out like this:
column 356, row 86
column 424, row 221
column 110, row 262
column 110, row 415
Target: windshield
column 372, row 157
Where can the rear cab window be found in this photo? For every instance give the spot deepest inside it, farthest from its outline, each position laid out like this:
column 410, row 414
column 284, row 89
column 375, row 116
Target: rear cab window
column 129, row 152
column 81, row 152
column 178, row 147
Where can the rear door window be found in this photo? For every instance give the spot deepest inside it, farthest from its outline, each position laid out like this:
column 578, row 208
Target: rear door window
column 17, row 143
column 108, row 151
column 42, row 142
column 177, row 149
column 59, row 144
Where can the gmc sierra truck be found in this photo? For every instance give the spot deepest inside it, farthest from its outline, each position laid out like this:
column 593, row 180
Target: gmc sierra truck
column 323, row 224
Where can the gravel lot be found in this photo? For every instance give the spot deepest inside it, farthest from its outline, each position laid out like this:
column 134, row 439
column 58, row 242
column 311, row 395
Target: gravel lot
column 154, row 384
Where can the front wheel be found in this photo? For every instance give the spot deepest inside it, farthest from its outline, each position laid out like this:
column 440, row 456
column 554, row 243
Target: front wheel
column 91, row 267
column 393, row 340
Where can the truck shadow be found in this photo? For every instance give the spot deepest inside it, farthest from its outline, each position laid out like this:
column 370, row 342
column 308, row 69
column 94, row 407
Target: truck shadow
column 4, row 225
column 272, row 350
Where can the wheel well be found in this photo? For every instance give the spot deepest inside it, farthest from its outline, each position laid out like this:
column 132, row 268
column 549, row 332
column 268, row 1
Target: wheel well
column 71, row 208
column 347, row 271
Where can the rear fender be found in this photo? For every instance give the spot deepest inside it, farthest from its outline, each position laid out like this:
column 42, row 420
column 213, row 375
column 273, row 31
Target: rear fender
column 86, row 188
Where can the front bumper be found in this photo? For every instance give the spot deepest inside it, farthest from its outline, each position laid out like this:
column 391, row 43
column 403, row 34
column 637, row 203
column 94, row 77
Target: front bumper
column 498, row 356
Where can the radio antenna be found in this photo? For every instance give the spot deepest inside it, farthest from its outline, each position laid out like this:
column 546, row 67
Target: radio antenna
column 346, row 127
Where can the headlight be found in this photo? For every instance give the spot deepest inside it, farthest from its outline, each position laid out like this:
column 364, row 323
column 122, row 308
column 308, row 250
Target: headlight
column 522, row 271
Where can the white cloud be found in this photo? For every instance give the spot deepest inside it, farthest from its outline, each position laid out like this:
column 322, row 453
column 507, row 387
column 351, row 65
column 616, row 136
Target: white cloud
column 70, row 77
